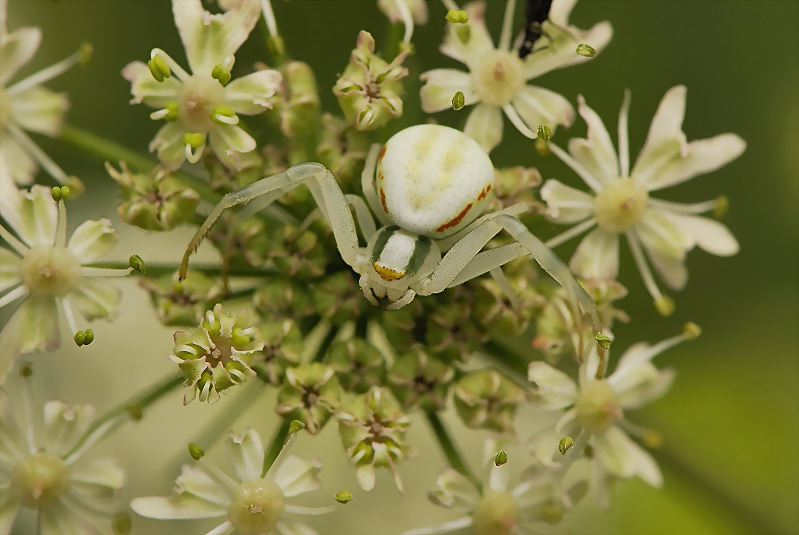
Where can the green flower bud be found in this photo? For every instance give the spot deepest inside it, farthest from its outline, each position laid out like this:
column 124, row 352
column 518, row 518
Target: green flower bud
column 486, row 399
column 344, row 496
column 301, row 107
column 417, row 379
column 196, row 451
column 358, row 364
column 311, row 394
column 283, row 343
column 586, row 50
column 342, row 149
column 182, row 303
column 336, row 297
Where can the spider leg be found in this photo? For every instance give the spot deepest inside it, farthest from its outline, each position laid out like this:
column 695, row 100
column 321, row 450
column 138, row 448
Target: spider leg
column 368, row 185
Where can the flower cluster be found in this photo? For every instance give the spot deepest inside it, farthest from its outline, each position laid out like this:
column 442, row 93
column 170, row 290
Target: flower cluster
column 475, row 332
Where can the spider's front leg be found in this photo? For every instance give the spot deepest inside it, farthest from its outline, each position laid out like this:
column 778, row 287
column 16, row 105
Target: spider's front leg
column 325, row 190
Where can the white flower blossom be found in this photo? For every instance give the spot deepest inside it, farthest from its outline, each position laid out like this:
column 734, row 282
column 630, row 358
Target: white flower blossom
column 49, row 272
column 49, row 475
column 253, row 503
column 620, row 202
column 26, row 106
column 202, row 107
column 539, row 499
column 595, row 408
column 497, row 77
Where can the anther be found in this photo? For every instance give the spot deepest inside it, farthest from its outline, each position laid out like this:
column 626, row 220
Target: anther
column 224, row 115
column 544, row 132
column 586, row 51
column 159, row 68
column 458, row 101
column 457, row 16
column 221, row 74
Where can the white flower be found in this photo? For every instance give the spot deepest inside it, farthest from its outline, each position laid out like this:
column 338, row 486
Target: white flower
column 596, row 406
column 620, row 202
column 50, row 272
column 253, row 503
column 497, row 509
column 26, row 106
column 202, row 107
column 49, row 476
column 497, row 77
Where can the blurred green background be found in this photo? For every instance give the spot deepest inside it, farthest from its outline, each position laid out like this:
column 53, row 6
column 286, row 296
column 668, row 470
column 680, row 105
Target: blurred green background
column 731, row 422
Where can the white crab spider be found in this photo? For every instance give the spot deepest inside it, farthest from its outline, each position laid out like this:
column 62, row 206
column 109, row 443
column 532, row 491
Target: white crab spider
column 427, row 185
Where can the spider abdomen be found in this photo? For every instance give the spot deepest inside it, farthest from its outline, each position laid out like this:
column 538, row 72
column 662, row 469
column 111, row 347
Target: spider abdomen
column 433, row 180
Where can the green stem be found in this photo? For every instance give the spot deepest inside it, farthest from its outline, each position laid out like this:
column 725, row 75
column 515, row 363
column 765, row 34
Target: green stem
column 278, row 441
column 450, row 450
column 139, row 402
column 108, row 150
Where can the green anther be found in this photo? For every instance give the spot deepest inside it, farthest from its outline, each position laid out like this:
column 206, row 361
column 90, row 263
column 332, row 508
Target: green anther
column 56, row 193
column 295, row 426
column 80, row 338
column 240, row 340
column 501, row 458
column 172, row 112
column 121, row 524
column 66, row 193
column 85, row 51
column 586, row 51
column 603, row 340
column 159, row 68
column 691, row 330
column 457, row 16
column 194, row 140
column 26, row 370
column 665, row 305
column 220, row 74
column 464, row 33
column 276, row 45
column 458, row 101
column 224, row 111
column 344, row 496
column 722, row 206
column 196, row 451
column 544, row 132
column 565, row 445
column 652, row 439
column 137, row 264
column 205, row 378
column 88, row 337
column 136, row 413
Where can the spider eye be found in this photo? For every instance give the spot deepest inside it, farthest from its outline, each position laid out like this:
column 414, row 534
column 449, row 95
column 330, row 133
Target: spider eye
column 398, row 254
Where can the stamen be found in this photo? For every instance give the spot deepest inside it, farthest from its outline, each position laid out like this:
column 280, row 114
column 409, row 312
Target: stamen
column 14, row 294
column 624, row 138
column 38, row 154
column 221, row 74
column 48, row 73
column 696, row 208
column 224, row 115
column 507, row 24
column 159, row 68
column 571, row 233
column 61, row 225
column 176, row 69
column 12, row 240
column 450, row 5
column 194, row 141
column 104, row 272
column 517, row 121
column 566, row 158
column 170, row 113
column 407, row 20
column 269, row 17
column 643, row 267
column 70, row 317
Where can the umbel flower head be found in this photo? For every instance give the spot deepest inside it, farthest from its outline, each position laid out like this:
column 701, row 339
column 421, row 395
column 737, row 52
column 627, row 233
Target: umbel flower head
column 252, row 503
column 218, row 354
column 370, row 89
column 497, row 77
column 202, row 107
column 47, row 271
column 26, row 106
column 496, row 508
column 620, row 204
column 50, row 474
column 594, row 410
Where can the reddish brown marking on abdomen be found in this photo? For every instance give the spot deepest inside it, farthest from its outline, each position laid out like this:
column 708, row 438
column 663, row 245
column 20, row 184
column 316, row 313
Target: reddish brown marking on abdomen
column 457, row 219
column 383, row 200
column 382, row 153
column 484, row 193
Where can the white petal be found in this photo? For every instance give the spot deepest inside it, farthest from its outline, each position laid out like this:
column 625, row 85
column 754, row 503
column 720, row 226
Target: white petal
column 561, row 47
column 12, row 444
column 64, row 424
column 98, row 478
column 9, row 269
column 16, row 49
column 665, row 137
column 566, row 204
column 455, row 491
column 461, row 526
column 297, row 476
column 196, row 482
column 246, row 454
column 232, row 144
column 596, row 153
column 440, row 85
column 147, row 89
column 554, row 389
column 20, row 164
column 479, row 40
column 295, row 528
column 96, row 299
column 539, row 106
column 39, row 110
column 59, row 519
column 660, row 231
column 33, row 214
column 169, row 143
column 697, row 158
column 252, row 94
column 597, row 256
column 92, row 240
column 624, row 458
column 33, row 327
column 210, row 39
column 543, row 445
column 365, row 474
column 182, row 507
column 708, row 234
column 484, row 125
column 9, row 506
